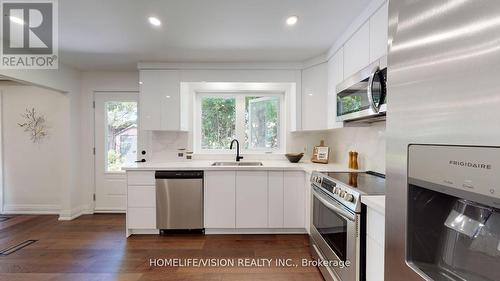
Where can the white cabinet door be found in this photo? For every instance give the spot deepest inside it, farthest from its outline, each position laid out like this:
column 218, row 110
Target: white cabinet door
column 294, row 199
column 251, row 199
column 275, row 204
column 307, row 208
column 335, row 76
column 357, row 51
column 314, row 97
column 375, row 241
column 219, row 199
column 141, row 218
column 160, row 100
column 379, row 22
column 141, row 197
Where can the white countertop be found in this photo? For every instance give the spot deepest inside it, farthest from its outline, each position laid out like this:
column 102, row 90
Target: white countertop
column 267, row 166
column 376, row 202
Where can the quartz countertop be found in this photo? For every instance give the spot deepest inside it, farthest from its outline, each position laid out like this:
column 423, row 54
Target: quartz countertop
column 267, row 166
column 376, row 202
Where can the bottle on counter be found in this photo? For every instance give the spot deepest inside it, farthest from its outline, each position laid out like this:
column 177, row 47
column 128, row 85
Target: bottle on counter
column 355, row 165
column 353, row 160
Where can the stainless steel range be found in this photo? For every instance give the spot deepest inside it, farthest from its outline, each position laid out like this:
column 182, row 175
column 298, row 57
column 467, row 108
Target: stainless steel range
column 337, row 221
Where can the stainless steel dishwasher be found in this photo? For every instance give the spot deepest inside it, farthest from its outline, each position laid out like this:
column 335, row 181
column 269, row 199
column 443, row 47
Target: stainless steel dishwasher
column 179, row 201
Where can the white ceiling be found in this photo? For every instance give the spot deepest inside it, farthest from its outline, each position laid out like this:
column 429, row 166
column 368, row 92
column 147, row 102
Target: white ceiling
column 115, row 34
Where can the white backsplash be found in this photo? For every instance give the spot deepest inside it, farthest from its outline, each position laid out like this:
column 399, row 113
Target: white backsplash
column 369, row 142
column 165, row 146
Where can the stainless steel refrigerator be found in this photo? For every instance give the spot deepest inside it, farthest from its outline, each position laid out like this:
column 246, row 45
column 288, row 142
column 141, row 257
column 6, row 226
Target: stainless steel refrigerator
column 443, row 98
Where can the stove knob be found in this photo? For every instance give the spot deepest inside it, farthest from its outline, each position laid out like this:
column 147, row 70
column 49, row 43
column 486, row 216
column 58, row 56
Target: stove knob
column 349, row 197
column 338, row 191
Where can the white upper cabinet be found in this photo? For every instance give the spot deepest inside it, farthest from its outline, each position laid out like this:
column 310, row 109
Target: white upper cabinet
column 160, row 100
column 314, row 97
column 378, row 32
column 335, row 76
column 357, row 51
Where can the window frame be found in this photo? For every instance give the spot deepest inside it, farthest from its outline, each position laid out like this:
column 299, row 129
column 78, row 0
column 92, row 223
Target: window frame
column 240, row 121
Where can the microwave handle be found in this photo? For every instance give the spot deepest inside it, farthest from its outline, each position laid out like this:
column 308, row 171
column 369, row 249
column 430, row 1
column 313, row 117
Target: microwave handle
column 333, row 206
column 369, row 91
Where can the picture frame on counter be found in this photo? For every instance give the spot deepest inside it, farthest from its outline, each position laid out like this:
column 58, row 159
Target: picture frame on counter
column 321, row 153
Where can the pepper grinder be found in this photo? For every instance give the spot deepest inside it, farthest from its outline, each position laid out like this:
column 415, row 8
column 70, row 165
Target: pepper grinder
column 355, row 165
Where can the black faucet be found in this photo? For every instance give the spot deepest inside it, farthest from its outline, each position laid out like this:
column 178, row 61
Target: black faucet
column 238, row 157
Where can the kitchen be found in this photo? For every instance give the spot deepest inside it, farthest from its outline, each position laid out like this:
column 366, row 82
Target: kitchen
column 185, row 140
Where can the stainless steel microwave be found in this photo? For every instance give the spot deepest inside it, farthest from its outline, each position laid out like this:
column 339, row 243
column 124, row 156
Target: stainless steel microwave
column 362, row 97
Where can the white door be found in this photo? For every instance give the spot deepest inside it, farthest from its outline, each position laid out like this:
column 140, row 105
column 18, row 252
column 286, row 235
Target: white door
column 116, row 135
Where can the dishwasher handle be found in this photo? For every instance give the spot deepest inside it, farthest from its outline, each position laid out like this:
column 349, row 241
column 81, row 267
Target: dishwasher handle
column 179, row 175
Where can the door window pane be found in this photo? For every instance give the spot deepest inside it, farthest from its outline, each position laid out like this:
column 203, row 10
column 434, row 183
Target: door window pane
column 262, row 118
column 121, row 134
column 218, row 122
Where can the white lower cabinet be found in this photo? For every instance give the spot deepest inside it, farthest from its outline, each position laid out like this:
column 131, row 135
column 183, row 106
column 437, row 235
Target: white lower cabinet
column 141, row 197
column 141, row 218
column 375, row 233
column 220, row 199
column 294, row 199
column 233, row 200
column 307, row 202
column 275, row 199
column 254, row 200
column 251, row 199
column 141, row 201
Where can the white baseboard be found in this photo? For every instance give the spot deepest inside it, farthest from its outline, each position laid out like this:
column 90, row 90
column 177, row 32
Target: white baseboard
column 67, row 215
column 142, row 231
column 31, row 209
column 110, row 211
column 255, row 231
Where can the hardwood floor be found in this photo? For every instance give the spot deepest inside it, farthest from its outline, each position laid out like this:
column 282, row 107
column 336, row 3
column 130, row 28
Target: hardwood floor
column 93, row 248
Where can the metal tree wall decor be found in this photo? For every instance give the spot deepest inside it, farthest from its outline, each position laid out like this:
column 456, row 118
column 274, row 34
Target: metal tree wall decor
column 34, row 124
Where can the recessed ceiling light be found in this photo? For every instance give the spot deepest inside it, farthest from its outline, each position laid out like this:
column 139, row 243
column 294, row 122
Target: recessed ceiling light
column 154, row 21
column 292, row 20
column 140, row 82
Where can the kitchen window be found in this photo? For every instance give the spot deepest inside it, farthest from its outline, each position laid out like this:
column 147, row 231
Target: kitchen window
column 255, row 119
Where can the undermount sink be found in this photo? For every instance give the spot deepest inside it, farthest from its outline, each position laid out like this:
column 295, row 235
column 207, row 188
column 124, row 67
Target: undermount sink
column 237, row 164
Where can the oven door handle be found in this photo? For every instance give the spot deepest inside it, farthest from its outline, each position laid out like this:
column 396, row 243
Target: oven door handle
column 334, row 206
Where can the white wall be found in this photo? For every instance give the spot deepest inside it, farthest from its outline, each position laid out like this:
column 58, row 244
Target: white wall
column 369, row 142
column 66, row 80
column 34, row 173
